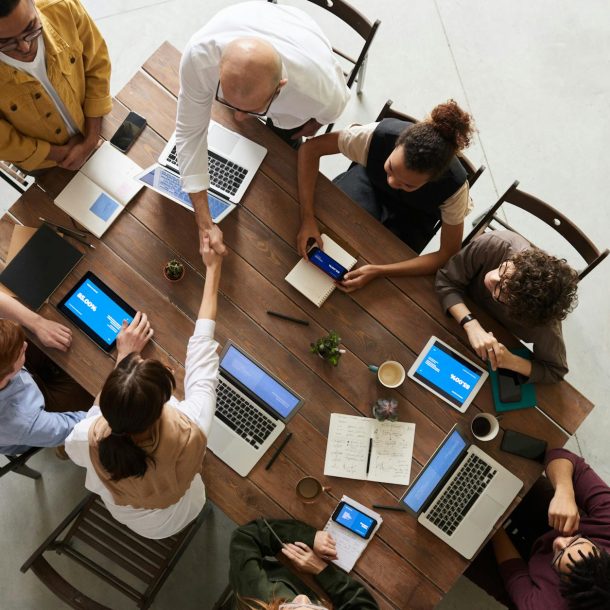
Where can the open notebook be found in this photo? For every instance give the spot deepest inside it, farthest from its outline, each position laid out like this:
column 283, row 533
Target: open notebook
column 313, row 282
column 101, row 189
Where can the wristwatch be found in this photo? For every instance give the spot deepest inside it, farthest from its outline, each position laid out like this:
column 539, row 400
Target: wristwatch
column 467, row 318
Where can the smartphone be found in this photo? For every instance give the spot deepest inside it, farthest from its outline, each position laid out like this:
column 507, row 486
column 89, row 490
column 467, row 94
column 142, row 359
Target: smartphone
column 329, row 265
column 509, row 384
column 128, row 132
column 355, row 521
column 523, row 445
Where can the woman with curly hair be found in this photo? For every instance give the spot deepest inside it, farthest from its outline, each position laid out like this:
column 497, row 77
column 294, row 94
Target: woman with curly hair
column 406, row 175
column 529, row 291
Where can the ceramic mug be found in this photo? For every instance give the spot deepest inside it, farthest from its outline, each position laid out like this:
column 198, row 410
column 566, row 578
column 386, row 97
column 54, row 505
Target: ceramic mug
column 484, row 426
column 390, row 373
column 309, row 489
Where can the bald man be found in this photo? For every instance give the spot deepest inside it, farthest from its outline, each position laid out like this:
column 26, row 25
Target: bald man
column 259, row 59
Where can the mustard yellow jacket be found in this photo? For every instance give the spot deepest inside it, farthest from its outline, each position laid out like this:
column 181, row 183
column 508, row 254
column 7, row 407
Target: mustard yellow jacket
column 78, row 67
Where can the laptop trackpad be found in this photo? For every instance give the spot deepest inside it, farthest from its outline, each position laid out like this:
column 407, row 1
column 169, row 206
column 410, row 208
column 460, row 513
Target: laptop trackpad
column 222, row 140
column 485, row 513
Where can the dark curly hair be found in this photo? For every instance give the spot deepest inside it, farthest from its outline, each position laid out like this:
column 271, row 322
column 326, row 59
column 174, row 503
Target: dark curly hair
column 541, row 289
column 587, row 585
column 429, row 146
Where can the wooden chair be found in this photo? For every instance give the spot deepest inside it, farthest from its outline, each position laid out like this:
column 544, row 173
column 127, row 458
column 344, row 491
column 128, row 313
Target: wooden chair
column 387, row 112
column 97, row 534
column 16, row 464
column 547, row 214
column 363, row 27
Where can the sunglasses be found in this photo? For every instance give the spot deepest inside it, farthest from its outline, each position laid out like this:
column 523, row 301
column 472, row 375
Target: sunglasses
column 221, row 100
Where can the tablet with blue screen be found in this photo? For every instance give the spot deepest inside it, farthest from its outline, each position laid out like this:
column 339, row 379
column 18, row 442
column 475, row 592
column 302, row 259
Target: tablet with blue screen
column 97, row 310
column 448, row 374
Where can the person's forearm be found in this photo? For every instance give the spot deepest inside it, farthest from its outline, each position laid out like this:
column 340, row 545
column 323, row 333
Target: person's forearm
column 503, row 548
column 418, row 265
column 307, row 172
column 519, row 365
column 459, row 311
column 202, row 210
column 93, row 129
column 560, row 473
column 209, row 302
column 13, row 310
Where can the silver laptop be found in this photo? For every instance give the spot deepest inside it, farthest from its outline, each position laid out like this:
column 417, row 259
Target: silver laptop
column 233, row 160
column 252, row 408
column 461, row 493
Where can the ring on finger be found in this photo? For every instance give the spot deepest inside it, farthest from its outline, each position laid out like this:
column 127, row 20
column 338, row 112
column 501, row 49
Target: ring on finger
column 490, row 349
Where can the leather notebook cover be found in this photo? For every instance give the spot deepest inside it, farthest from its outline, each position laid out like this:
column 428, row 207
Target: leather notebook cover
column 40, row 267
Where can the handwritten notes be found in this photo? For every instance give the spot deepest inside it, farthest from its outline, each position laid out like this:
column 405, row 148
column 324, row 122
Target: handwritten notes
column 348, row 448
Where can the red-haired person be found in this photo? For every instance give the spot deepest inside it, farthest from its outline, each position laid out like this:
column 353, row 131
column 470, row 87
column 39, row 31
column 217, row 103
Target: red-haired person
column 39, row 403
column 404, row 174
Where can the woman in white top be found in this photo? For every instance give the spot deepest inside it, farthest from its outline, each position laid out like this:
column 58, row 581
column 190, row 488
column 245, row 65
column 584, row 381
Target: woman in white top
column 142, row 448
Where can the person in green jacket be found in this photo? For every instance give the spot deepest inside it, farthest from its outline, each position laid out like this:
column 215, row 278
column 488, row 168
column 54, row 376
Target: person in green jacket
column 260, row 582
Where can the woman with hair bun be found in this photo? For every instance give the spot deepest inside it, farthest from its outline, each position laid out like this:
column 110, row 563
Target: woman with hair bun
column 406, row 175
column 142, row 448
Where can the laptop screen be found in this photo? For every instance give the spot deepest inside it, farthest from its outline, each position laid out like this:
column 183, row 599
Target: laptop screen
column 259, row 382
column 434, row 471
column 445, row 372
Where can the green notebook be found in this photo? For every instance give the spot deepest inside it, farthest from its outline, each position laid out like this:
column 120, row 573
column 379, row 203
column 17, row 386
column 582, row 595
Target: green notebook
column 528, row 390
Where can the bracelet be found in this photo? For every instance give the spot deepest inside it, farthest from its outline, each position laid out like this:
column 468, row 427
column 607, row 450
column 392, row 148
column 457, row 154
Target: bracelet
column 467, row 318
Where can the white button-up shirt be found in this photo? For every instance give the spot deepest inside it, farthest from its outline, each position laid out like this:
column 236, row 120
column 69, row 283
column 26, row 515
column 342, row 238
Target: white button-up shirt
column 316, row 86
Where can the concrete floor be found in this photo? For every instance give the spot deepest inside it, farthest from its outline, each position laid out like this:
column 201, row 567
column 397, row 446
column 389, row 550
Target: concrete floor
column 533, row 75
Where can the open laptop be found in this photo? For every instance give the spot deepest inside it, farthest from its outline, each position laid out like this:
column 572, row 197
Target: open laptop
column 233, row 160
column 461, row 493
column 252, row 408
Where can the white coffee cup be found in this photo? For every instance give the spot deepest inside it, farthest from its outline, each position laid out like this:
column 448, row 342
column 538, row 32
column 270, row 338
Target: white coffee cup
column 390, row 373
column 484, row 426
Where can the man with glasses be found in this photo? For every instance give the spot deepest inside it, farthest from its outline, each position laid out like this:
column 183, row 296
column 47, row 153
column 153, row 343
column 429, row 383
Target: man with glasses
column 563, row 527
column 260, row 60
column 527, row 290
column 258, row 580
column 54, row 83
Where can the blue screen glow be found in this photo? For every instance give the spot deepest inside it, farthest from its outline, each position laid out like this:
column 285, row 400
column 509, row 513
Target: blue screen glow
column 354, row 520
column 259, row 382
column 329, row 265
column 98, row 311
column 450, row 376
column 434, row 471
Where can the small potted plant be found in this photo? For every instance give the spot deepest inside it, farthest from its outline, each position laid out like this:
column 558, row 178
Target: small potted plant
column 385, row 409
column 328, row 348
column 173, row 270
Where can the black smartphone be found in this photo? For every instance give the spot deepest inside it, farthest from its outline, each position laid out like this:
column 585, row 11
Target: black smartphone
column 328, row 264
column 354, row 520
column 128, row 132
column 509, row 384
column 523, row 445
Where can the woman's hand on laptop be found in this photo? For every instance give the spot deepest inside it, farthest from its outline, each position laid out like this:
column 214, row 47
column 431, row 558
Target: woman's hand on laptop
column 52, row 334
column 133, row 337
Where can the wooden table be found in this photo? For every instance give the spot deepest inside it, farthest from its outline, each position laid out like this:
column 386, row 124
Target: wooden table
column 405, row 565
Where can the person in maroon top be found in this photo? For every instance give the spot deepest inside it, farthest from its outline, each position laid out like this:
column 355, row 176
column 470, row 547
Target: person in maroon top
column 569, row 564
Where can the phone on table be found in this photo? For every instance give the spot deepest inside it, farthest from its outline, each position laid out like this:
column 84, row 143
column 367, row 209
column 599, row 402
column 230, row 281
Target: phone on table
column 509, row 385
column 128, row 132
column 523, row 445
column 328, row 264
column 354, row 520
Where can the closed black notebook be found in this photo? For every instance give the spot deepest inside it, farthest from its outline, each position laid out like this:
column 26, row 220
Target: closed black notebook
column 40, row 267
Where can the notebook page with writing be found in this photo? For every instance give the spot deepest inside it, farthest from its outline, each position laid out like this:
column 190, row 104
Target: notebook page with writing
column 313, row 282
column 348, row 446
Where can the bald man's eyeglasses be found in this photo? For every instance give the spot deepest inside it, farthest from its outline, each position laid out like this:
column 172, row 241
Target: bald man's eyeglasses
column 221, row 100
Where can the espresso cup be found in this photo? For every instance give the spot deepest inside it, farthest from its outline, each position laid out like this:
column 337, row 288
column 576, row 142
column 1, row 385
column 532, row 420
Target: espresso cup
column 309, row 489
column 484, row 426
column 390, row 373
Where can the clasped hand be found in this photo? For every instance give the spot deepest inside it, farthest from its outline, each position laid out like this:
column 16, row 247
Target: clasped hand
column 311, row 561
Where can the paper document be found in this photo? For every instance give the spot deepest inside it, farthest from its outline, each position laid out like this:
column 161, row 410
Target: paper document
column 349, row 545
column 391, row 449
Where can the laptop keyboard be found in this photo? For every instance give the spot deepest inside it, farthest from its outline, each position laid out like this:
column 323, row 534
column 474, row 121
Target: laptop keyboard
column 449, row 510
column 239, row 414
column 225, row 175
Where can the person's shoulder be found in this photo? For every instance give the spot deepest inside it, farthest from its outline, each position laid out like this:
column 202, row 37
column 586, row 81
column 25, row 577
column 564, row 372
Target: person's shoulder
column 502, row 239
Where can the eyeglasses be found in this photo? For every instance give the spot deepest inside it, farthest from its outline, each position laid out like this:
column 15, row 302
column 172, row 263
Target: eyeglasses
column 499, row 287
column 13, row 43
column 575, row 541
column 290, row 605
column 219, row 98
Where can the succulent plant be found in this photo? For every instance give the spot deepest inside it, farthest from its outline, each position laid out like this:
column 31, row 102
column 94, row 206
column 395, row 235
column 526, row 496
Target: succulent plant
column 385, row 409
column 328, row 348
column 173, row 270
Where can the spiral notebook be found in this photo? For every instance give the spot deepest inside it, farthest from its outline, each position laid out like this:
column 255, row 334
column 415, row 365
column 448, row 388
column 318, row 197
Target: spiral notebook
column 313, row 282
